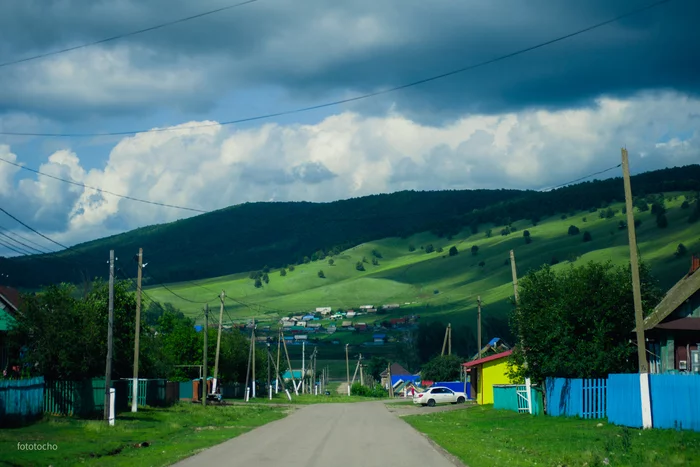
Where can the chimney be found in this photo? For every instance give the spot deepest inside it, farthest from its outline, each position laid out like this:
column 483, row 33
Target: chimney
column 694, row 264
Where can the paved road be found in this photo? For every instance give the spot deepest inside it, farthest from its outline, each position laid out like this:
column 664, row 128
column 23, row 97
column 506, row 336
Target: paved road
column 330, row 435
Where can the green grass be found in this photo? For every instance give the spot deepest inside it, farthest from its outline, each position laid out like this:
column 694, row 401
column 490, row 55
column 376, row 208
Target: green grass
column 307, row 399
column 173, row 434
column 413, row 277
column 484, row 437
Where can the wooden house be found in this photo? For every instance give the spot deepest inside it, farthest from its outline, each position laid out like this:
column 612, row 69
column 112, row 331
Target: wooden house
column 9, row 307
column 672, row 330
column 484, row 373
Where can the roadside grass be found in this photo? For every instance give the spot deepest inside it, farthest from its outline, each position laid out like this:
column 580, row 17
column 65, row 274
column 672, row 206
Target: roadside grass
column 307, row 399
column 172, row 433
column 484, row 437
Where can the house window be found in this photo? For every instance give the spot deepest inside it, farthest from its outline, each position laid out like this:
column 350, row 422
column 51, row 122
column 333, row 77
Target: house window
column 654, row 356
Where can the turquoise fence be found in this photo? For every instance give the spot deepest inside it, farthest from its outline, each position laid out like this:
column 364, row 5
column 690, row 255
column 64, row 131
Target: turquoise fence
column 82, row 398
column 585, row 398
column 674, row 401
column 21, row 401
column 151, row 392
column 505, row 397
column 186, row 390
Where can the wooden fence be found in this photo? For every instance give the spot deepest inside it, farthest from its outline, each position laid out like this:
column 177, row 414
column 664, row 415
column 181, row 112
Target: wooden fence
column 585, row 398
column 82, row 398
column 21, row 401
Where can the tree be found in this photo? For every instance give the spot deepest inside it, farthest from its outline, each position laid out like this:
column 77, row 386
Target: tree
column 587, row 237
column 321, row 274
column 695, row 214
column 573, row 230
column 290, row 267
column 442, row 368
column 266, row 278
column 475, row 250
column 429, row 248
column 364, row 259
column 657, row 209
column 685, row 204
column 266, row 269
column 482, row 263
column 622, row 225
column 331, row 262
column 376, row 254
column 376, row 365
column 411, row 248
column 577, row 324
column 307, row 260
column 505, row 231
column 439, row 249
column 584, row 220
column 258, row 283
column 488, row 233
column 661, row 220
column 528, row 238
column 283, row 272
column 375, row 261
column 453, row 251
column 609, row 213
column 641, row 205
column 359, row 266
column 681, row 250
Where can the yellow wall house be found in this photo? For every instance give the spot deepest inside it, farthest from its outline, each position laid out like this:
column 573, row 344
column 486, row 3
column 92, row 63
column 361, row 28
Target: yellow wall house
column 484, row 373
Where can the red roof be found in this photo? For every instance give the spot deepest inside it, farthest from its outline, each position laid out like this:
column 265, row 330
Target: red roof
column 10, row 295
column 487, row 359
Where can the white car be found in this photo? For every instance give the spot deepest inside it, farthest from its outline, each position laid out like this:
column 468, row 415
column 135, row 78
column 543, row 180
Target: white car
column 439, row 395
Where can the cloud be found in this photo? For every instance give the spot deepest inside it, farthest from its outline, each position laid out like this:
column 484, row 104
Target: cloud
column 346, row 155
column 317, row 50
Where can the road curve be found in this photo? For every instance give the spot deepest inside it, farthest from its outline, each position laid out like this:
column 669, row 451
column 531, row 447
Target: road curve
column 330, row 435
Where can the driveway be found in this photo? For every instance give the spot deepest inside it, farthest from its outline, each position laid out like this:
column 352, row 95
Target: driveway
column 330, row 435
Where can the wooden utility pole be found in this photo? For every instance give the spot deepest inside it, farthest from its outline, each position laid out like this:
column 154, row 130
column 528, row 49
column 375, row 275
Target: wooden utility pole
column 279, row 349
column 515, row 276
column 448, row 336
column 289, row 363
column 449, row 341
column 137, row 333
column 269, row 381
column 110, row 325
column 347, row 366
column 205, row 391
column 247, row 370
column 388, row 375
column 634, row 263
column 218, row 339
column 478, row 324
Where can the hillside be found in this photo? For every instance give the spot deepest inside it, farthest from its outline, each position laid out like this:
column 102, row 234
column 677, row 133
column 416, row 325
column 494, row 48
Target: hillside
column 444, row 288
column 249, row 236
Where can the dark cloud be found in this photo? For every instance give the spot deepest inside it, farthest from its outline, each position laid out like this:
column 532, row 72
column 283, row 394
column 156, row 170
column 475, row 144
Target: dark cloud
column 318, row 50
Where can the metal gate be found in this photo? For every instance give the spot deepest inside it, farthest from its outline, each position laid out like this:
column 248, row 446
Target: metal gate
column 524, row 397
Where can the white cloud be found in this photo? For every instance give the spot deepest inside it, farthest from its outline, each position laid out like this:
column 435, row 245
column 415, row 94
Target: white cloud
column 348, row 155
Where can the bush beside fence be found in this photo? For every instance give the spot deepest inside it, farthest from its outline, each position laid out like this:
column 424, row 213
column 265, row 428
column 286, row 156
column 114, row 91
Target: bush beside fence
column 21, row 401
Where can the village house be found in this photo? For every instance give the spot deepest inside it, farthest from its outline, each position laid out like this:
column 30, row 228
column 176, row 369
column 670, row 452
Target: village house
column 672, row 330
column 361, row 327
column 366, row 307
column 350, row 314
column 484, row 372
column 324, row 310
column 398, row 373
column 9, row 307
column 391, row 306
column 379, row 339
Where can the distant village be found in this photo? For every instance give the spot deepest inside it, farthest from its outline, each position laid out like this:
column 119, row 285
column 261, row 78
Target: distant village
column 323, row 321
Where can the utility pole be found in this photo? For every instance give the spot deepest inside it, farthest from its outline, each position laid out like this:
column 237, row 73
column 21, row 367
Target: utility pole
column 515, row 276
column 449, row 342
column 303, row 373
column 218, row 341
column 289, row 363
column 388, row 374
column 279, row 348
column 110, row 325
column 269, row 382
column 478, row 324
column 444, row 341
column 205, row 391
column 253, row 343
column 247, row 371
column 634, row 262
column 135, row 388
column 637, row 295
column 347, row 366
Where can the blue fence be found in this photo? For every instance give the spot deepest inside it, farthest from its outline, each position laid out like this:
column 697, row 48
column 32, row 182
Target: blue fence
column 673, row 401
column 457, row 386
column 21, row 401
column 586, row 398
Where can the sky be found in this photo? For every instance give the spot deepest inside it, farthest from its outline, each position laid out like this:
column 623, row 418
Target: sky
column 531, row 121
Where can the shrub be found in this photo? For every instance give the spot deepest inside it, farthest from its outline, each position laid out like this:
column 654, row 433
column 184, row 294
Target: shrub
column 587, row 237
column 321, row 274
column 573, row 230
column 377, row 391
column 453, row 251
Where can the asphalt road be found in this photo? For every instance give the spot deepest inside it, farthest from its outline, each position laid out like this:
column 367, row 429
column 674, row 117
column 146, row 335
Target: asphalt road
column 330, row 435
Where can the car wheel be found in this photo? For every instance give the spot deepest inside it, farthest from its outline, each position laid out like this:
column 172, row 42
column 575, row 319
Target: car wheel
column 460, row 400
column 431, row 403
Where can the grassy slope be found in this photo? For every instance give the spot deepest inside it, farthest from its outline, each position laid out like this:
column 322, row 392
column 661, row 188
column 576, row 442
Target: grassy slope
column 405, row 277
column 501, row 438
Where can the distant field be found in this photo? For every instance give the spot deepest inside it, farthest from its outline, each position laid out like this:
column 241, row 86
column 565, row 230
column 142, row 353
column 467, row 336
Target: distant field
column 437, row 286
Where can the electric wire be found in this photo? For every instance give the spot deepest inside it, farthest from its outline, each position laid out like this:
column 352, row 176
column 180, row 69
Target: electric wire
column 26, row 239
column 360, row 97
column 28, row 247
column 32, row 229
column 123, row 35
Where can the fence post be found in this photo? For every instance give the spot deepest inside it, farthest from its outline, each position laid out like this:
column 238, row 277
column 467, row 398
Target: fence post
column 112, row 393
column 528, row 392
column 646, row 400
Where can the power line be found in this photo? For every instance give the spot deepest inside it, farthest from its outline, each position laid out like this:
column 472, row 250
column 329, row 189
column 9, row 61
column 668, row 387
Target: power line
column 356, row 98
column 26, row 239
column 128, row 34
column 178, row 295
column 72, row 182
column 33, row 230
column 582, row 178
column 21, row 243
column 15, row 249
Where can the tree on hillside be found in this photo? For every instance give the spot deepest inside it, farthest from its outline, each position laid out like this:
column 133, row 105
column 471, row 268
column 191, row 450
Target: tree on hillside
column 685, row 204
column 609, row 213
column 622, row 225
column 266, row 269
column 505, row 231
column 681, row 250
column 453, row 251
column 439, row 249
column 573, row 230
column 577, row 324
column 489, row 232
column 321, row 274
column 584, row 219
column 307, row 260
column 661, row 220
column 411, row 248
column 331, row 262
column 657, row 209
column 587, row 237
column 527, row 236
column 376, row 365
column 364, row 259
column 266, row 278
column 429, row 248
column 258, row 283
column 695, row 214
column 359, row 266
column 290, row 267
column 442, row 368
column 376, row 254
column 375, row 261
column 283, row 272
column 475, row 250
column 482, row 264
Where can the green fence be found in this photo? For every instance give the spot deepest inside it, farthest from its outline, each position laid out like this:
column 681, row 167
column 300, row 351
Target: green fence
column 506, row 397
column 151, row 392
column 82, row 398
column 21, row 401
